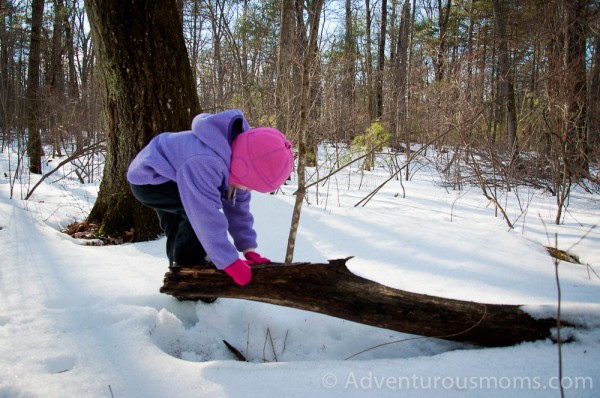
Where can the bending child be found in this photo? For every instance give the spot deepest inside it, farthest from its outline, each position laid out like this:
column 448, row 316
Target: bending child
column 199, row 183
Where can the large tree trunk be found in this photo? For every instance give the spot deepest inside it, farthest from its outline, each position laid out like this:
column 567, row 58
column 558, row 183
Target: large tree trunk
column 333, row 290
column 148, row 89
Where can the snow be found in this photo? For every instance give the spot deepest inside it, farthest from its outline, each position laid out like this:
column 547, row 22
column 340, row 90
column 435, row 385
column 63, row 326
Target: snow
column 88, row 321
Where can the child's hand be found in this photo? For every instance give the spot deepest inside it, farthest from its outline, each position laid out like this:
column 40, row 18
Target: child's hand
column 253, row 258
column 239, row 271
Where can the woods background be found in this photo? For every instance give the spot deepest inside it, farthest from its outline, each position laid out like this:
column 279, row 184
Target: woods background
column 507, row 91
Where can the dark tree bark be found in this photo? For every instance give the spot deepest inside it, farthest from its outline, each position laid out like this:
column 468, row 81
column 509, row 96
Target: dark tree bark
column 402, row 74
column 443, row 21
column 34, row 147
column 348, row 116
column 148, row 89
column 7, row 94
column 333, row 290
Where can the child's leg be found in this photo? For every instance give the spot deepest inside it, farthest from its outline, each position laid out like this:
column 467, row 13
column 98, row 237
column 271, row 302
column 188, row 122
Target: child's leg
column 169, row 222
column 183, row 246
column 187, row 249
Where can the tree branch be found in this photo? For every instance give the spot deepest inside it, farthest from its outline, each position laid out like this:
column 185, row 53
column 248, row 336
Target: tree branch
column 74, row 156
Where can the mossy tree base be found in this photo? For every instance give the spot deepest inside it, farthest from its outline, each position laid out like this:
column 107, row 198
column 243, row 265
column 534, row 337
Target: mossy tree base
column 148, row 89
column 122, row 213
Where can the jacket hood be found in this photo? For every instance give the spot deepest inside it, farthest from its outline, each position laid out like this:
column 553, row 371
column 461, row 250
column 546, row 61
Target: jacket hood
column 217, row 131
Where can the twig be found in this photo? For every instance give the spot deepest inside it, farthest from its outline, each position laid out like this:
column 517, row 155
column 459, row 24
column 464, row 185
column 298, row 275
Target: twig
column 556, row 262
column 236, row 352
column 285, row 340
column 559, row 342
column 273, row 346
column 248, row 340
column 269, row 337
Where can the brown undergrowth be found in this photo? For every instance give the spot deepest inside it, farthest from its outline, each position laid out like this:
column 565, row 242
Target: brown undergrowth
column 91, row 232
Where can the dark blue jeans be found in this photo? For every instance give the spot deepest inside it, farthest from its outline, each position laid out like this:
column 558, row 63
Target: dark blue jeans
column 183, row 247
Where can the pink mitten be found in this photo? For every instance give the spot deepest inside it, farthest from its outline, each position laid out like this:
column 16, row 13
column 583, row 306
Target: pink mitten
column 239, row 271
column 253, row 258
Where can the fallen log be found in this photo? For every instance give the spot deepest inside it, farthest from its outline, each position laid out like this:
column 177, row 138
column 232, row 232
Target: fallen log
column 332, row 289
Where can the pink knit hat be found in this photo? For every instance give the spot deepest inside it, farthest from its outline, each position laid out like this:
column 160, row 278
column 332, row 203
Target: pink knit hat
column 261, row 159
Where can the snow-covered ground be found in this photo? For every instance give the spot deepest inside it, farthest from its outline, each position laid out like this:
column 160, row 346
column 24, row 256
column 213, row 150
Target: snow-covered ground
column 84, row 321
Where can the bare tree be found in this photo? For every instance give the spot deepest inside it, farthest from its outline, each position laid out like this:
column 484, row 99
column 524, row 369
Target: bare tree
column 349, row 78
column 443, row 22
column 56, row 85
column 7, row 82
column 34, row 148
column 285, row 93
column 369, row 62
column 308, row 65
column 401, row 70
column 507, row 90
column 217, row 18
column 576, row 77
column 381, row 61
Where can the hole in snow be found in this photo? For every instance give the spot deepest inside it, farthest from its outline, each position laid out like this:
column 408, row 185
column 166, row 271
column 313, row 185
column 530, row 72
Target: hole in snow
column 269, row 333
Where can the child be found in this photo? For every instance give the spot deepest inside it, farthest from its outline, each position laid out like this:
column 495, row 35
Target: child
column 199, row 183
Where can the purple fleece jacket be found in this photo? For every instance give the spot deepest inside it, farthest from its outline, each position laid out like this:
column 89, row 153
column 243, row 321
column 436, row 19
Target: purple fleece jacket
column 198, row 161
